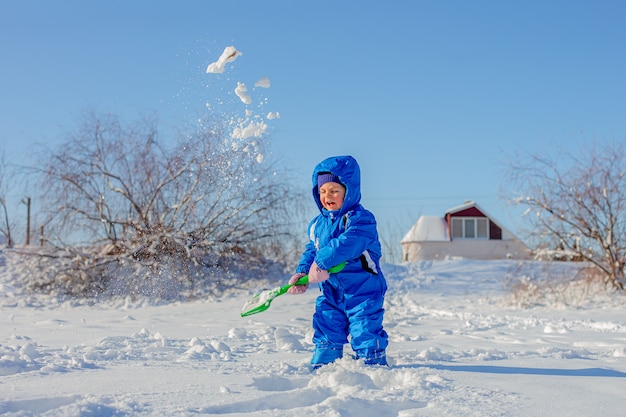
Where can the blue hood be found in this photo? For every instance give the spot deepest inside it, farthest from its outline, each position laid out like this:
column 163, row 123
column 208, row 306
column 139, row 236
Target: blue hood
column 347, row 169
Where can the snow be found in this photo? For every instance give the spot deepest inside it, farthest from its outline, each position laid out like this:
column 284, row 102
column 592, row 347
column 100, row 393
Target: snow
column 251, row 125
column 263, row 82
column 230, row 54
column 253, row 128
column 242, row 92
column 428, row 228
column 459, row 346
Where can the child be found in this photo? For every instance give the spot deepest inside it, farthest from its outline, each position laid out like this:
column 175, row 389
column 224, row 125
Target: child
column 352, row 299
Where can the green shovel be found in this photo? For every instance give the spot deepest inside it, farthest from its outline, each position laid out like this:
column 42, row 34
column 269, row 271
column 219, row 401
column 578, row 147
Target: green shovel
column 262, row 300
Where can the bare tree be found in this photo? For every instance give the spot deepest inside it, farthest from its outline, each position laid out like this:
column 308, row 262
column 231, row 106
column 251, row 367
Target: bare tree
column 391, row 234
column 206, row 200
column 578, row 202
column 5, row 224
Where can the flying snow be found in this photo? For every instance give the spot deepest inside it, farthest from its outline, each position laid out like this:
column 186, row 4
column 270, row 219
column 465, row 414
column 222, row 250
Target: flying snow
column 242, row 93
column 255, row 129
column 251, row 125
column 263, row 83
column 230, row 54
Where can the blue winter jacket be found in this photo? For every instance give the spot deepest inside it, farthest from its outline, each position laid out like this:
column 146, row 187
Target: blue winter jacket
column 348, row 234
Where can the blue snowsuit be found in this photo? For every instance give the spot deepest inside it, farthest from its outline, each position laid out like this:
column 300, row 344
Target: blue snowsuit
column 351, row 302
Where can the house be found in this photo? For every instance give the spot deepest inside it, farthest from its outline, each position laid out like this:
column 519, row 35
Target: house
column 466, row 231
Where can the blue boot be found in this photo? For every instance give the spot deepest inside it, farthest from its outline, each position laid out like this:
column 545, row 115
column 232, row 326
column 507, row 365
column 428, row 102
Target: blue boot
column 324, row 356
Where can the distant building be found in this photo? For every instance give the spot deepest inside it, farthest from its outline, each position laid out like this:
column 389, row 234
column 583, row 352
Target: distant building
column 466, row 231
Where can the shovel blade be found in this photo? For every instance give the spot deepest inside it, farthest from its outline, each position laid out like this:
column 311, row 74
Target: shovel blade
column 262, row 300
column 259, row 303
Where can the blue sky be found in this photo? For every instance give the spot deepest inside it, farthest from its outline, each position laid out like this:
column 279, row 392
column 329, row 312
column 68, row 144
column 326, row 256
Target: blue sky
column 431, row 97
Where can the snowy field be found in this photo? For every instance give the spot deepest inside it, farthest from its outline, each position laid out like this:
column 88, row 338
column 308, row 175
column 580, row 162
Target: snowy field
column 458, row 347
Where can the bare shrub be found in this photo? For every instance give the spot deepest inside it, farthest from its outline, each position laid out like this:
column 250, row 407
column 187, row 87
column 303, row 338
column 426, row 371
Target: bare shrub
column 554, row 284
column 113, row 188
column 576, row 202
column 86, row 273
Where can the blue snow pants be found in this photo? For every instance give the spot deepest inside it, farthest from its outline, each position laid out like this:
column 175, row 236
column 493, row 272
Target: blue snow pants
column 350, row 306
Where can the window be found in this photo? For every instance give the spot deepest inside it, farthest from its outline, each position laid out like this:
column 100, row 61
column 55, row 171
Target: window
column 482, row 228
column 470, row 228
column 457, row 228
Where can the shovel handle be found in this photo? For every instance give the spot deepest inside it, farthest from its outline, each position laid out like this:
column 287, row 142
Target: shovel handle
column 259, row 304
column 302, row 281
column 305, row 279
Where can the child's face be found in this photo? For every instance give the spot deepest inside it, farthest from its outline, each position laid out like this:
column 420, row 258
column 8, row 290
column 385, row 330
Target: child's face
column 332, row 195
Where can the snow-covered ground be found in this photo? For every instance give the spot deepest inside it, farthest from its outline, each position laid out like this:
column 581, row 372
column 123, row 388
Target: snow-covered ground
column 458, row 347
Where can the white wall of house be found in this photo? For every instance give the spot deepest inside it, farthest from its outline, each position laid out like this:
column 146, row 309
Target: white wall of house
column 465, row 248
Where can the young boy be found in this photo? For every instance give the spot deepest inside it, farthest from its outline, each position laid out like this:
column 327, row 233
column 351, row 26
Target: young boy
column 352, row 299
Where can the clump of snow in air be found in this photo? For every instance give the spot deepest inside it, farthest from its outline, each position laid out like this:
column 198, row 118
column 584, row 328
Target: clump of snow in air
column 253, row 128
column 242, row 93
column 263, row 83
column 251, row 125
column 459, row 346
column 230, row 54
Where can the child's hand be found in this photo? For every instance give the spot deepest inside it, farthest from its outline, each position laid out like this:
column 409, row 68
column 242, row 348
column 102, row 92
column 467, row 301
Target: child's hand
column 297, row 289
column 317, row 275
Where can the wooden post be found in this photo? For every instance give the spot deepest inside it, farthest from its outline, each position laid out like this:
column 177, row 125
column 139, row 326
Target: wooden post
column 27, row 221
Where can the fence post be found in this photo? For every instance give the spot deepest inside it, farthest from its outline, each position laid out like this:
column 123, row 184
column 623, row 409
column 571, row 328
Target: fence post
column 27, row 221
